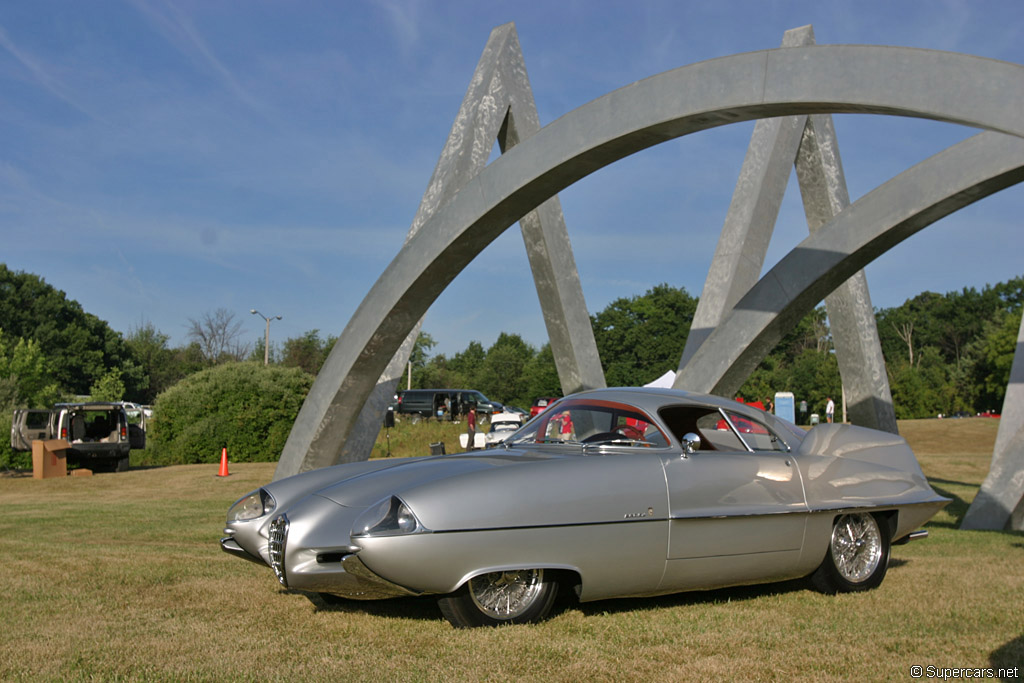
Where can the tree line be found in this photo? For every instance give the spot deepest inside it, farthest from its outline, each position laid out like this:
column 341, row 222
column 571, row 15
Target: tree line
column 945, row 353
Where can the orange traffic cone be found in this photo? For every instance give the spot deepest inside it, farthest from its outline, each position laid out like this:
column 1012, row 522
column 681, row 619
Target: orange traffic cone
column 223, row 464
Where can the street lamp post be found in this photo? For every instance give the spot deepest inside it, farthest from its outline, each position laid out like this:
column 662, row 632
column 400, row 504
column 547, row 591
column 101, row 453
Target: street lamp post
column 266, row 338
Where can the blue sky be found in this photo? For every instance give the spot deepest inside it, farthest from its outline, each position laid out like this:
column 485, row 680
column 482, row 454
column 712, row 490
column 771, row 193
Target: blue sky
column 160, row 160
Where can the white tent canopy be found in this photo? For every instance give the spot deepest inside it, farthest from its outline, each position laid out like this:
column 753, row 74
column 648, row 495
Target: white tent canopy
column 663, row 382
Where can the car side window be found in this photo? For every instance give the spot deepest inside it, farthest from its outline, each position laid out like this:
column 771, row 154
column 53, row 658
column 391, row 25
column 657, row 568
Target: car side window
column 758, row 436
column 594, row 423
column 716, row 430
column 713, row 428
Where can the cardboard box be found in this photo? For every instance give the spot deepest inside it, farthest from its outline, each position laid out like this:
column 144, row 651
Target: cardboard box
column 49, row 458
column 81, row 472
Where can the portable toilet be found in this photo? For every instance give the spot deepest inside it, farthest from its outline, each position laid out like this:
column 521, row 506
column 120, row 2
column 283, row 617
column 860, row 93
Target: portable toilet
column 785, row 406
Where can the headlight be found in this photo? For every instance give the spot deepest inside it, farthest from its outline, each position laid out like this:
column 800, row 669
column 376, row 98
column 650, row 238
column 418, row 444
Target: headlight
column 389, row 517
column 252, row 506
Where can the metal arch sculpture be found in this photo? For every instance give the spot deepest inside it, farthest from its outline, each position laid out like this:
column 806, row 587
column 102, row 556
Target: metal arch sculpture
column 498, row 105
column 913, row 200
column 807, row 143
column 781, row 82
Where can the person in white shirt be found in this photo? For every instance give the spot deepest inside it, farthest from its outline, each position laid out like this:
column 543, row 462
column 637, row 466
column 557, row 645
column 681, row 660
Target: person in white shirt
column 830, row 410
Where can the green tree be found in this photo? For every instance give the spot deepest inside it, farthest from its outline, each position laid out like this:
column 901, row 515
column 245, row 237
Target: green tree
column 540, row 377
column 247, row 408
column 992, row 358
column 26, row 382
column 161, row 365
column 108, row 388
column 641, row 337
column 257, row 355
column 79, row 348
column 501, row 375
column 307, row 352
column 419, row 359
column 814, row 377
column 463, row 369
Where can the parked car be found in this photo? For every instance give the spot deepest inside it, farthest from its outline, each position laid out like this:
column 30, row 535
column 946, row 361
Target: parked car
column 444, row 403
column 516, row 409
column 503, row 425
column 100, row 434
column 609, row 493
column 540, row 404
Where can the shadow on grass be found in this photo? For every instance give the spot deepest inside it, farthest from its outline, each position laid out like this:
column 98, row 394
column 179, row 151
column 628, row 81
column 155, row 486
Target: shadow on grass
column 419, row 608
column 709, row 597
column 1009, row 656
column 958, row 508
column 425, row 608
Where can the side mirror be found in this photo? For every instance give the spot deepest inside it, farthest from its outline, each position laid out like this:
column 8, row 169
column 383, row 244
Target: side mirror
column 691, row 443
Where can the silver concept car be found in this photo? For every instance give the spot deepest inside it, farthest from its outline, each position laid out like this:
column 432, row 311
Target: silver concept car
column 610, row 493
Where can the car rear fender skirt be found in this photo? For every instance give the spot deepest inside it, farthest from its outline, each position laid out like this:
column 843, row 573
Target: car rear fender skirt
column 565, row 574
column 843, row 463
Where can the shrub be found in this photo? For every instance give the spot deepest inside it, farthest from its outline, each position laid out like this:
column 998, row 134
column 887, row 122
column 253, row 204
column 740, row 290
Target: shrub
column 247, row 408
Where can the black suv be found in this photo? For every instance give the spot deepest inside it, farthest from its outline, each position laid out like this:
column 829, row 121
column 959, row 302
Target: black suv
column 444, row 403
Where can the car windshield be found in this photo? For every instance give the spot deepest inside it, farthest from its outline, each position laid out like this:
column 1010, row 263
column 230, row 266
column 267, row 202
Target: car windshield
column 591, row 422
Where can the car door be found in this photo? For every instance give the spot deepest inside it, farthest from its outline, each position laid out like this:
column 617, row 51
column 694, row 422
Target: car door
column 28, row 425
column 737, row 506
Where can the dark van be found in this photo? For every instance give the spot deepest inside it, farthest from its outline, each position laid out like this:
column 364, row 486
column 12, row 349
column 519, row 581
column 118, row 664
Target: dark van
column 447, row 404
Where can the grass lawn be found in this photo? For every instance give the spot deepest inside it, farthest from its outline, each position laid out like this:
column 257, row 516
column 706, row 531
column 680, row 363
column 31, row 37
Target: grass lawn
column 120, row 576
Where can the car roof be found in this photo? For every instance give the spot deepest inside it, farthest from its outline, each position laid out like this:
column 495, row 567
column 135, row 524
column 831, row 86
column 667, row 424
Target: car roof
column 90, row 404
column 653, row 398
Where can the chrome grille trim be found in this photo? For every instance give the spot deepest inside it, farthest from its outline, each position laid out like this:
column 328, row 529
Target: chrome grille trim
column 276, row 545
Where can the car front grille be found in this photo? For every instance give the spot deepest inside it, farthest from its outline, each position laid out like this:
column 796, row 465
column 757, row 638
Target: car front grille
column 278, row 538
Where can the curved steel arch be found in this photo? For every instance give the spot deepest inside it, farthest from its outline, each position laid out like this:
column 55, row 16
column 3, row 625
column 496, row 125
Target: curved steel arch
column 913, row 200
column 822, row 79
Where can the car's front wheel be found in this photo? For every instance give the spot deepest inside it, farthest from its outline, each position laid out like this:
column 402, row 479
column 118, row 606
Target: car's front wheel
column 509, row 597
column 857, row 557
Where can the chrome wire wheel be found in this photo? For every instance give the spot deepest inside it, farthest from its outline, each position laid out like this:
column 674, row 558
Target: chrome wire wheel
column 506, row 595
column 856, row 547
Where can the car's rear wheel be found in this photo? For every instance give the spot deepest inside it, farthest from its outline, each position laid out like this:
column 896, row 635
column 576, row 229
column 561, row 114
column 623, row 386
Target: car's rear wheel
column 510, row 597
column 857, row 557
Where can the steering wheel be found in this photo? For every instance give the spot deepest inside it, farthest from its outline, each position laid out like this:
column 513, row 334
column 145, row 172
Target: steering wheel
column 603, row 436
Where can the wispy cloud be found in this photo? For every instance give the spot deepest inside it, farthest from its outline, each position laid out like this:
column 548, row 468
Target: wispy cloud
column 42, row 76
column 179, row 31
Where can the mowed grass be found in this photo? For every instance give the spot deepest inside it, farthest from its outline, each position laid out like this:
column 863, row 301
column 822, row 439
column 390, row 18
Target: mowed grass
column 120, row 576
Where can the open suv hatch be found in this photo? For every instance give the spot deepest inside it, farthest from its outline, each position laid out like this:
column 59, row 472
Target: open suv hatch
column 99, row 433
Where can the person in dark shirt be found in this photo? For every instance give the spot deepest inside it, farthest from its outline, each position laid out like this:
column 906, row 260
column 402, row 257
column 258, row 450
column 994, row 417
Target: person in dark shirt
column 471, row 426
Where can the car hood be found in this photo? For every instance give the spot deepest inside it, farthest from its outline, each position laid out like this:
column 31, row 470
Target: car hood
column 365, row 489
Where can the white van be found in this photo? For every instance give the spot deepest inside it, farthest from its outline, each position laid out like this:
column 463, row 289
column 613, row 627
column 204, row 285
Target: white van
column 100, row 434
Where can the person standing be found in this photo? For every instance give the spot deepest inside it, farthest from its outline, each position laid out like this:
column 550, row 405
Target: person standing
column 830, row 410
column 471, row 427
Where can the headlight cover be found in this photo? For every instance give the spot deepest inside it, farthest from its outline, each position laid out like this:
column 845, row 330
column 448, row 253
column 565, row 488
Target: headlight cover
column 252, row 506
column 390, row 517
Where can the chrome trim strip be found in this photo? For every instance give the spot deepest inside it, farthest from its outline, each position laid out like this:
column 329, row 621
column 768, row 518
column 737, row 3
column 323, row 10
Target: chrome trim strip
column 554, row 526
column 725, row 416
